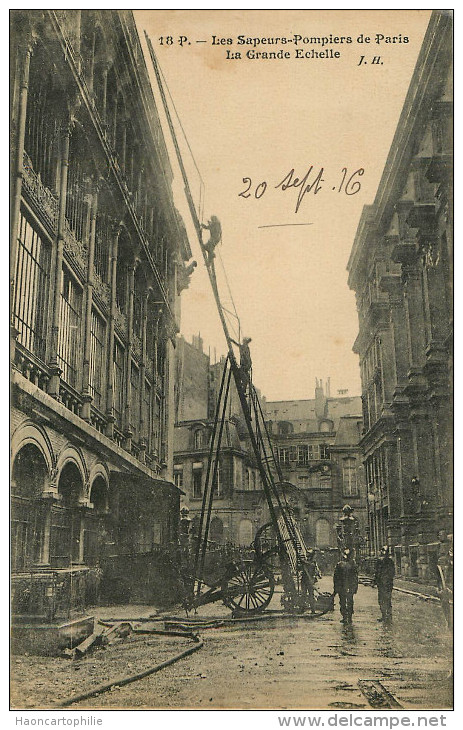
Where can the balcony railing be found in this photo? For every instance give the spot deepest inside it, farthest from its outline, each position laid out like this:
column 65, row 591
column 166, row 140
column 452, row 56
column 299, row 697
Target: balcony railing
column 31, row 367
column 40, row 196
column 97, row 420
column 70, row 398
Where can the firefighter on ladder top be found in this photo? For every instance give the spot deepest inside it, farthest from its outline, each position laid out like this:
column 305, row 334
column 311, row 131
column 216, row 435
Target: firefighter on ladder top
column 245, row 361
column 215, row 236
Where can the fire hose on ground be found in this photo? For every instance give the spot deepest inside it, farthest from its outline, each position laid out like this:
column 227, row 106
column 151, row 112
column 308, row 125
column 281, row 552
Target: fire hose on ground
column 128, row 679
column 179, row 624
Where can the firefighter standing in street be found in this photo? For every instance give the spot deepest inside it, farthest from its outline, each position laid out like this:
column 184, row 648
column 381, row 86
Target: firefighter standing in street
column 346, row 585
column 384, row 579
column 309, row 576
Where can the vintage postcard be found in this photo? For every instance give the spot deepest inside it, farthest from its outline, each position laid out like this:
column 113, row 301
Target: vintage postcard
column 231, row 308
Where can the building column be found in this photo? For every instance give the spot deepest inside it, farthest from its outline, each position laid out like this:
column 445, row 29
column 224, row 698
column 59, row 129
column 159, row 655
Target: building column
column 144, row 437
column 18, row 161
column 168, row 409
column 414, row 308
column 128, row 385
column 155, row 447
column 55, row 370
column 104, row 100
column 406, row 468
column 83, row 511
column 86, row 395
column 110, row 417
column 388, row 369
column 124, row 145
column 423, row 457
column 49, row 498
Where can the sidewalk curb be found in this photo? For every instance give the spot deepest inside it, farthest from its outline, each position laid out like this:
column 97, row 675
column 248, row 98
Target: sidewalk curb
column 419, row 595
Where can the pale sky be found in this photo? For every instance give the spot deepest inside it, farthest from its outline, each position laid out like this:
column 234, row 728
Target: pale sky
column 259, row 119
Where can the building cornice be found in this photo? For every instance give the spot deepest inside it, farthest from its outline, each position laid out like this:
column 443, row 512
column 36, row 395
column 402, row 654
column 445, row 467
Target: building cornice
column 424, row 88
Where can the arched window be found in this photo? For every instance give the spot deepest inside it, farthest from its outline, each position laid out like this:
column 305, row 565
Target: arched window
column 65, row 528
column 94, row 523
column 285, row 428
column 198, row 438
column 245, row 532
column 216, row 530
column 99, row 496
column 45, row 111
column 325, row 426
column 322, row 533
column 27, row 483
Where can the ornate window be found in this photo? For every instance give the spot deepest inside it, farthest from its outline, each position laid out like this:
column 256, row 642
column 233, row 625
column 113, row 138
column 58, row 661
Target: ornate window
column 283, row 453
column 97, row 359
column 178, row 477
column 147, row 406
column 302, row 455
column 197, row 483
column 135, row 401
column 103, row 243
column 349, row 478
column 31, row 288
column 324, row 451
column 314, row 452
column 69, row 327
column 118, row 381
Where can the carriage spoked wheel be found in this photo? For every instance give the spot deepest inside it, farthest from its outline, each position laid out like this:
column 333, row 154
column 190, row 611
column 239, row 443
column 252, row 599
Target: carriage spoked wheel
column 248, row 588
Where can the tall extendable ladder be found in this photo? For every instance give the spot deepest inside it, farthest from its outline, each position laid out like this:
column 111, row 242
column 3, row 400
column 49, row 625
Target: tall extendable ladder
column 291, row 546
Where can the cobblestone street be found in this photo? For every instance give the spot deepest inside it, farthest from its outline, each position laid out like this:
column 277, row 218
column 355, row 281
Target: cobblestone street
column 280, row 663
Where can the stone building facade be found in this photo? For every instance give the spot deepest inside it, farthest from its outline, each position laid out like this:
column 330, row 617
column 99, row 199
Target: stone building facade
column 400, row 268
column 239, row 506
column 316, row 441
column 98, row 254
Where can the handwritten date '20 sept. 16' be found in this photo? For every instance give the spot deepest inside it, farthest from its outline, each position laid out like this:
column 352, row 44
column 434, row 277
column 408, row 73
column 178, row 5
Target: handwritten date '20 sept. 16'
column 311, row 182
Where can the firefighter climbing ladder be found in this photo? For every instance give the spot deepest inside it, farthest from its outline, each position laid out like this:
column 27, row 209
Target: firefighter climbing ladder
column 290, row 544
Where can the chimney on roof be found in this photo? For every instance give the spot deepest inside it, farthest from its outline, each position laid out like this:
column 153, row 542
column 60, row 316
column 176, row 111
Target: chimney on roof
column 197, row 342
column 328, row 388
column 320, row 399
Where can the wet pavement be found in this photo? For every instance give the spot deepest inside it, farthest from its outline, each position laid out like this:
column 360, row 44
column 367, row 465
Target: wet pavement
column 292, row 663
